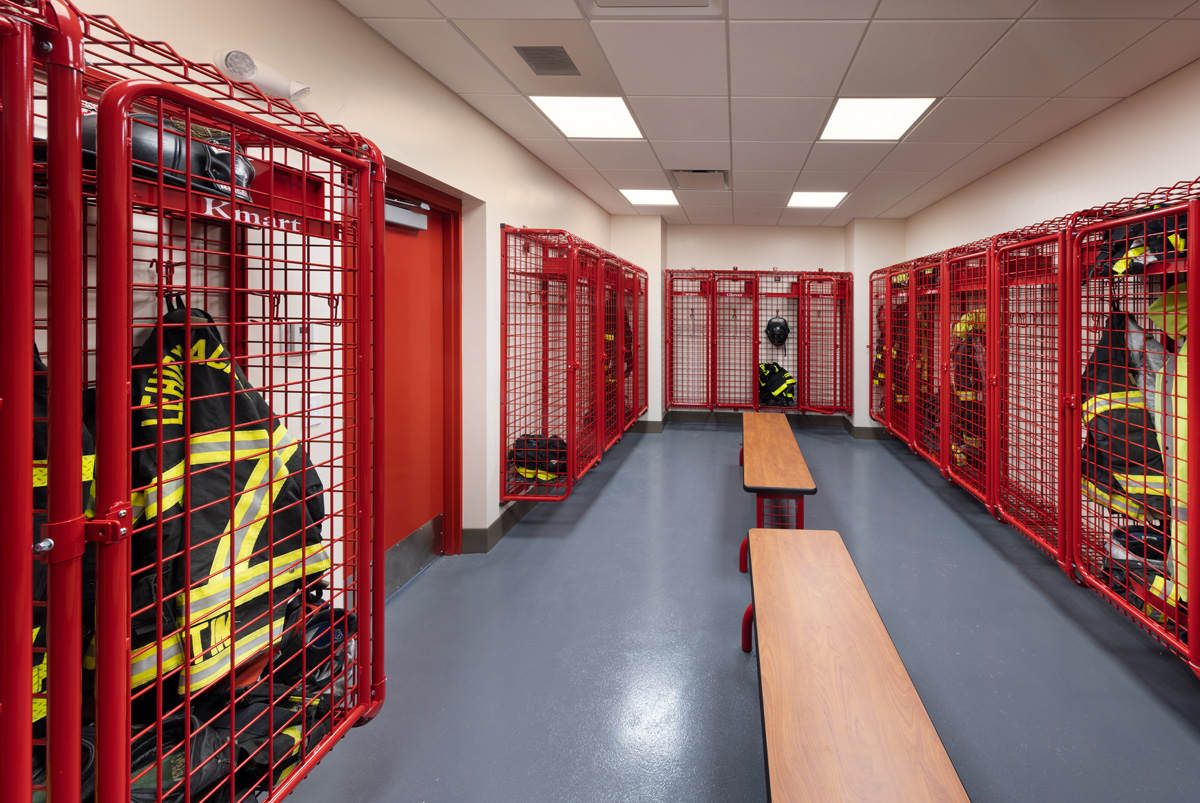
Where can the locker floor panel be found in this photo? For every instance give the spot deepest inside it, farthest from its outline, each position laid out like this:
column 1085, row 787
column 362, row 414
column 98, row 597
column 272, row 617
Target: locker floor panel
column 593, row 655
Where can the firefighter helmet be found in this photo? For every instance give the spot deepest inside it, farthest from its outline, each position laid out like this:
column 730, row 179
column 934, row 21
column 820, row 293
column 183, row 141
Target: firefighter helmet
column 778, row 331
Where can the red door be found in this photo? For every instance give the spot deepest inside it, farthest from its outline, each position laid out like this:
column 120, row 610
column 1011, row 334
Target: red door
column 413, row 399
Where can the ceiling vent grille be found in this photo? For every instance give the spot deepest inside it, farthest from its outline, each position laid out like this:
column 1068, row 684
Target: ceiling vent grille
column 547, row 59
column 700, row 179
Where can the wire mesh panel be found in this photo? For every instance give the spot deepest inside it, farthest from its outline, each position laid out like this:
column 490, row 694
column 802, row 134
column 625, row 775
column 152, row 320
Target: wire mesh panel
column 1132, row 543
column 534, row 376
column 689, row 338
column 898, row 360
column 588, row 290
column 880, row 346
column 781, row 336
column 1029, row 438
column 734, row 340
column 825, row 367
column 642, row 403
column 929, row 357
column 630, row 346
column 617, row 330
column 968, row 360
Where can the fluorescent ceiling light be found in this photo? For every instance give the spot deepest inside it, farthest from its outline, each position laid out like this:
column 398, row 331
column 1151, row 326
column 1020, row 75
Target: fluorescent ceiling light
column 816, row 199
column 874, row 118
column 651, row 197
column 590, row 118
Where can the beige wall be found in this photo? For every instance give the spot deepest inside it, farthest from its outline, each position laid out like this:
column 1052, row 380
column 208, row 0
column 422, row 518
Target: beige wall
column 363, row 83
column 870, row 244
column 642, row 239
column 754, row 248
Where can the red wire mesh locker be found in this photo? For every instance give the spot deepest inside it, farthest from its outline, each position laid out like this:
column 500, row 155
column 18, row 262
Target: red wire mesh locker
column 279, row 249
column 825, row 367
column 1030, row 438
column 615, row 334
column 535, row 293
column 642, row 403
column 735, row 341
column 880, row 346
column 630, row 370
column 898, row 362
column 1131, row 448
column 689, row 338
column 588, row 289
column 779, row 297
column 967, row 424
column 929, row 350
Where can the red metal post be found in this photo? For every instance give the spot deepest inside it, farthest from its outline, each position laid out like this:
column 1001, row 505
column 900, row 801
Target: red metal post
column 946, row 387
column 16, row 404
column 993, row 310
column 65, row 522
column 1191, row 454
column 378, row 380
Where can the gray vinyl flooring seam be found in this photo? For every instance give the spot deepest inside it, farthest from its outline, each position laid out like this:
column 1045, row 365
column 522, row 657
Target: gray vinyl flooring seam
column 594, row 654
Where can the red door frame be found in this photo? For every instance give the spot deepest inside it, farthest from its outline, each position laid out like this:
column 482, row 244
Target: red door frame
column 450, row 208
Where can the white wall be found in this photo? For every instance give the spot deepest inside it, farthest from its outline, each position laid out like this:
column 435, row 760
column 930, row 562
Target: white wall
column 1146, row 141
column 642, row 239
column 363, row 83
column 870, row 245
column 754, row 248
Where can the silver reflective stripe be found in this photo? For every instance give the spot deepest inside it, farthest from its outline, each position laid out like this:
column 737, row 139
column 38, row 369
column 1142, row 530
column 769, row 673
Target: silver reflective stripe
column 172, row 651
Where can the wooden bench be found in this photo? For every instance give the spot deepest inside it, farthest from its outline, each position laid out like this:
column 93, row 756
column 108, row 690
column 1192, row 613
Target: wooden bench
column 775, row 471
column 841, row 719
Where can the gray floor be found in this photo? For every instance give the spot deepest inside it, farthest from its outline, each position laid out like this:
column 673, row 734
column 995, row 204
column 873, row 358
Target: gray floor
column 594, row 654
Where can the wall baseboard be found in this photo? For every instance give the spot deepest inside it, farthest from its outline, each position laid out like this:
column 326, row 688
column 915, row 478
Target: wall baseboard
column 480, row 540
column 404, row 560
column 652, row 427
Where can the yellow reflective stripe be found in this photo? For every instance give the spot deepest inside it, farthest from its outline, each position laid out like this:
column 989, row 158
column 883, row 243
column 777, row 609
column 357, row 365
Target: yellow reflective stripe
column 970, row 320
column 39, row 681
column 1116, row 502
column 207, row 671
column 973, row 442
column 1156, row 484
column 288, row 567
column 532, row 474
column 1122, row 264
column 969, row 395
column 1103, row 402
column 1177, row 242
column 610, row 337
column 144, row 662
column 41, row 471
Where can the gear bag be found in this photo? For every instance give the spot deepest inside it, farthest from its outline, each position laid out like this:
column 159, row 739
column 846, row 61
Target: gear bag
column 536, row 458
column 1127, row 250
column 776, row 387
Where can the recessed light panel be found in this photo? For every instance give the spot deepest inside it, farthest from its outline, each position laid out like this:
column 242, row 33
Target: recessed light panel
column 816, row 200
column 651, row 197
column 874, row 118
column 589, row 118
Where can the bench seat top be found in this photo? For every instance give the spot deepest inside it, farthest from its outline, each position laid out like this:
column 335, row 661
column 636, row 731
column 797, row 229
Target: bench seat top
column 841, row 718
column 771, row 457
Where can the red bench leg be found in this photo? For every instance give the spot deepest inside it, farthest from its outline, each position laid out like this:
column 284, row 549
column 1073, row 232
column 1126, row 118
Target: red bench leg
column 799, row 512
column 743, row 555
column 741, row 456
column 747, row 621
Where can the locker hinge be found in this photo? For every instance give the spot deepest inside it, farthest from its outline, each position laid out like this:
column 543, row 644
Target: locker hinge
column 110, row 529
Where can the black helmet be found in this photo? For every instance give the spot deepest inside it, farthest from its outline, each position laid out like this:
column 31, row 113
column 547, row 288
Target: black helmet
column 777, row 331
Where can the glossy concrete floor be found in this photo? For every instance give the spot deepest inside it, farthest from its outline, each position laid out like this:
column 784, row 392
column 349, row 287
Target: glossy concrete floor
column 594, row 655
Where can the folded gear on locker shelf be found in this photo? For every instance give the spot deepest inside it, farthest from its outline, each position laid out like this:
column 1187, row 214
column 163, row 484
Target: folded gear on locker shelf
column 776, row 387
column 538, row 458
column 207, row 156
column 1129, row 250
column 234, row 510
column 41, row 483
column 1122, row 462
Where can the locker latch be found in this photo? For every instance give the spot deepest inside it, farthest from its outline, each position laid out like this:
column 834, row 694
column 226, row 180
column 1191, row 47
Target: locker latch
column 113, row 527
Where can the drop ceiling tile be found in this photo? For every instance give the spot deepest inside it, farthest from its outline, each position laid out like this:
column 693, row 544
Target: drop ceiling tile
column 840, row 219
column 608, row 154
column 993, row 155
column 1191, row 13
column 1162, row 52
column 952, row 9
column 636, row 179
column 498, row 38
column 912, row 204
column 557, row 153
column 514, row 114
column 752, row 216
column 809, row 10
column 837, row 157
column 946, row 183
column 883, row 185
column 612, row 201
column 926, row 157
column 1141, row 9
column 790, row 59
column 509, row 9
column 394, row 9
column 1040, row 58
column 896, row 60
column 1055, row 117
column 813, row 181
column 803, row 217
column 674, row 215
column 694, row 199
column 444, row 54
column 779, row 119
column 682, row 118
column 971, row 119
column 676, row 155
column 763, row 181
column 710, row 216
column 761, row 200
column 656, row 57
column 585, row 178
column 770, row 155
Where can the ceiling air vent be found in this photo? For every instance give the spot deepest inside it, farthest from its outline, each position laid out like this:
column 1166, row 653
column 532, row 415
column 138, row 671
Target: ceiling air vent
column 699, row 179
column 547, row 59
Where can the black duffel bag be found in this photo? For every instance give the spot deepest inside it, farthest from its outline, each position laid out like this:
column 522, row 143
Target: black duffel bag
column 537, row 458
